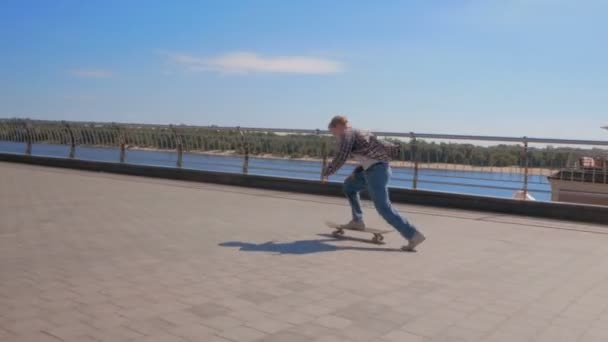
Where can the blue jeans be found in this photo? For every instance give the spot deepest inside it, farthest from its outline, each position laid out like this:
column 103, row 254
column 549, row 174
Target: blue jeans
column 375, row 179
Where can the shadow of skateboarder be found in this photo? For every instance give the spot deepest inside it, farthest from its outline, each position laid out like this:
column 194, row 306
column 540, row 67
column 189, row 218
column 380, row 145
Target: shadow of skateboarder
column 299, row 247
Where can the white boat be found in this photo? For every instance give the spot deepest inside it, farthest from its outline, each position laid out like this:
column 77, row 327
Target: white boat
column 523, row 195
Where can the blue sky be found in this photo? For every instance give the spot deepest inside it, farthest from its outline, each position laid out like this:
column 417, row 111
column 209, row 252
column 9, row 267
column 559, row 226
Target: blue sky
column 505, row 67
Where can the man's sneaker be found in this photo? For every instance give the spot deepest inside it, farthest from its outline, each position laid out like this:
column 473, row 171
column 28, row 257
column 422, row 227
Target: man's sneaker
column 354, row 225
column 417, row 239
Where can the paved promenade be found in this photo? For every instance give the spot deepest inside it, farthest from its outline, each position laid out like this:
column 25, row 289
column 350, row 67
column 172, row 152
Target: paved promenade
column 99, row 257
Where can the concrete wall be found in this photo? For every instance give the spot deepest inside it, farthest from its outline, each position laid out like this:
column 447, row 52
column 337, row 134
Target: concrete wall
column 561, row 211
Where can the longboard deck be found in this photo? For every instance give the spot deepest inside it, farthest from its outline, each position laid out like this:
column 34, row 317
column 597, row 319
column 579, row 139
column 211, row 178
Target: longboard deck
column 366, row 230
column 378, row 234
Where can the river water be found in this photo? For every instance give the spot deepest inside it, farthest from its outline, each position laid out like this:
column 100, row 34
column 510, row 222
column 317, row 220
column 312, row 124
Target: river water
column 495, row 184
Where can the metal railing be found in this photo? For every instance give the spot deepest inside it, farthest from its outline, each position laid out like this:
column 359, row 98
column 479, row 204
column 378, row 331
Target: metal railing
column 444, row 162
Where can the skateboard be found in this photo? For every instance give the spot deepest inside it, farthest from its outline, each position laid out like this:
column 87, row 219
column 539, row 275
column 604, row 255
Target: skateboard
column 378, row 234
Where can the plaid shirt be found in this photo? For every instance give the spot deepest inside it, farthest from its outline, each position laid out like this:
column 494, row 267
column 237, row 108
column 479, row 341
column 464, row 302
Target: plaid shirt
column 358, row 142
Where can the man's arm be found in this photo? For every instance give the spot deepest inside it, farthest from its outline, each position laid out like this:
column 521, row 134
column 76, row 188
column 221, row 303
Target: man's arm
column 346, row 146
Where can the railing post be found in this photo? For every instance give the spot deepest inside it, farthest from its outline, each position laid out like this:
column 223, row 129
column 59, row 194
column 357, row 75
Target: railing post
column 8, row 132
column 526, row 167
column 5, row 131
column 180, row 153
column 414, row 149
column 28, row 137
column 12, row 131
column 323, row 154
column 179, row 146
column 122, row 143
column 18, row 131
column 72, row 140
column 245, row 147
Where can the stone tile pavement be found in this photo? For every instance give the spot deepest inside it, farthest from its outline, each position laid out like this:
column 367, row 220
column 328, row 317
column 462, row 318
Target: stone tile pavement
column 98, row 257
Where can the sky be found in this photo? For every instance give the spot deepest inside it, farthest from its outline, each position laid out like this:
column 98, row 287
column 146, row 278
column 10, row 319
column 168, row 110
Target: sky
column 502, row 67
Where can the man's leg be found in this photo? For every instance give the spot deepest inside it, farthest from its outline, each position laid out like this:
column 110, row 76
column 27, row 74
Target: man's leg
column 352, row 186
column 377, row 179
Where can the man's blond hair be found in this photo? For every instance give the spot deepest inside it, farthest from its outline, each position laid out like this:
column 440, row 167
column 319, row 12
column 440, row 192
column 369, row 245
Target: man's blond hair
column 337, row 121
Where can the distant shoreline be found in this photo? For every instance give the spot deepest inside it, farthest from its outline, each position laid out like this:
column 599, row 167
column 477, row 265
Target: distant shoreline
column 400, row 164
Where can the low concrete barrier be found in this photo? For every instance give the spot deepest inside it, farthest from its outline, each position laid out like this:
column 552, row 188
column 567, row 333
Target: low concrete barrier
column 560, row 211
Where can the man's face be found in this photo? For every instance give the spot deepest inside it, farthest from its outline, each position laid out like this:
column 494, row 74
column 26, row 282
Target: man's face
column 338, row 130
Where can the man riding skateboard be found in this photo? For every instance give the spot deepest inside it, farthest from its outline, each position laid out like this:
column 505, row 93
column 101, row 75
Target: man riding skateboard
column 372, row 173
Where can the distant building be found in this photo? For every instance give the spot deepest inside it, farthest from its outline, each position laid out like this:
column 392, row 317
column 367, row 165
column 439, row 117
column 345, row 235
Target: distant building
column 586, row 182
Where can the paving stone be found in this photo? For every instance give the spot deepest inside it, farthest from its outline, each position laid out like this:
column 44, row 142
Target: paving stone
column 401, row 336
column 221, row 322
column 333, row 322
column 242, row 334
column 286, row 336
column 268, row 325
column 193, row 332
column 209, row 310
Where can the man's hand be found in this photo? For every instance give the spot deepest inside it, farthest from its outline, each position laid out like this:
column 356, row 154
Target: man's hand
column 324, row 180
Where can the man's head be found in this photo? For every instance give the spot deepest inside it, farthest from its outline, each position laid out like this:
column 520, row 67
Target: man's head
column 338, row 125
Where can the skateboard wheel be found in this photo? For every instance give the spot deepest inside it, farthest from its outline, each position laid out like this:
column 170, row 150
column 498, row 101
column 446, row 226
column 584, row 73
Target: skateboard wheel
column 338, row 232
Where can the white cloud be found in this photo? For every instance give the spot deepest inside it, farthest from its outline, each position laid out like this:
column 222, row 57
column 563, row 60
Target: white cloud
column 91, row 73
column 247, row 62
